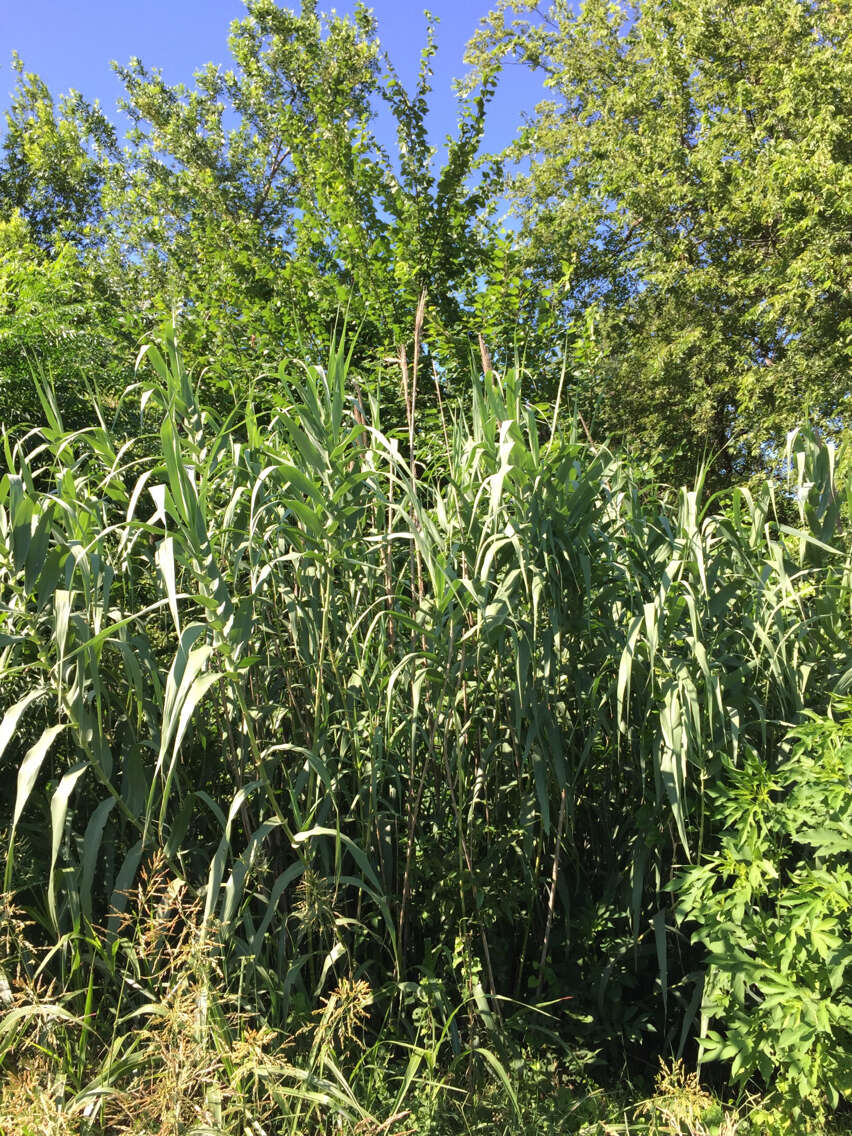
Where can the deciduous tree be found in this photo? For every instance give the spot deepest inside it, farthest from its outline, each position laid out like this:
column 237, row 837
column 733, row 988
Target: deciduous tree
column 689, row 178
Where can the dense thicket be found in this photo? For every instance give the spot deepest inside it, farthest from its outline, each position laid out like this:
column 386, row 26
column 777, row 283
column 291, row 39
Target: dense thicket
column 444, row 730
column 371, row 723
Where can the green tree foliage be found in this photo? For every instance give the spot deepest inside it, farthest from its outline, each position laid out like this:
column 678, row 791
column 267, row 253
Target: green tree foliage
column 259, row 202
column 58, row 322
column 262, row 203
column 63, row 316
column 203, row 206
column 51, row 167
column 690, row 178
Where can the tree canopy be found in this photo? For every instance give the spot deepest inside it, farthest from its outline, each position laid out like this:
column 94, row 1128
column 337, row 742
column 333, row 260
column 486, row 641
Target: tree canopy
column 689, row 179
column 682, row 205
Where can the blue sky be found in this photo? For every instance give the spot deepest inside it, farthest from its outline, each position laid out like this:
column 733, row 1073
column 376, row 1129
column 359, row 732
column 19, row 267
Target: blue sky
column 70, row 43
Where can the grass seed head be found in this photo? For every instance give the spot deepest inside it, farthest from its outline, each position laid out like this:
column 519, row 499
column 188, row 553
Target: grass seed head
column 314, row 906
column 344, row 1012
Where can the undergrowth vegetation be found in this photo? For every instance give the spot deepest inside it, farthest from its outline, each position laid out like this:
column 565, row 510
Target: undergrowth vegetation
column 361, row 789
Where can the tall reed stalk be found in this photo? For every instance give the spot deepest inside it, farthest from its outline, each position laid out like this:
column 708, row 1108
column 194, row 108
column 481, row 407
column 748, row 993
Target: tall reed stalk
column 390, row 726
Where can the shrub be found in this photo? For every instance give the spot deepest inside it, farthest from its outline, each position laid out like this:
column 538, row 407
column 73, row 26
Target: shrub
column 774, row 910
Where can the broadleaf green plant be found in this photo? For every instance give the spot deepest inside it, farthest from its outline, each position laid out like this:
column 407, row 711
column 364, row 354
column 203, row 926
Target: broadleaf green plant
column 773, row 908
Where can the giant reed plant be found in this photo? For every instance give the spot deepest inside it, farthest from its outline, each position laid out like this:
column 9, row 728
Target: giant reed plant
column 422, row 739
